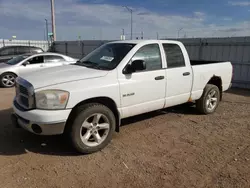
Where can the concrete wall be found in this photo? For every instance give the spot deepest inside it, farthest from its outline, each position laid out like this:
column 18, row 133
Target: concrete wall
column 236, row 50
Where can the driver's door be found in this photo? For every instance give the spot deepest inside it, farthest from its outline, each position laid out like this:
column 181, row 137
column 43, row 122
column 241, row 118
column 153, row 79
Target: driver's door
column 144, row 91
column 32, row 64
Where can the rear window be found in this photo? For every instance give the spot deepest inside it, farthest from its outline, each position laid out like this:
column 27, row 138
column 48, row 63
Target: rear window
column 23, row 50
column 174, row 56
column 36, row 50
column 27, row 49
column 53, row 58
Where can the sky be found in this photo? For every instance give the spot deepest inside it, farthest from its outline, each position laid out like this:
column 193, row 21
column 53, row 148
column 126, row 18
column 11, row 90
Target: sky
column 105, row 19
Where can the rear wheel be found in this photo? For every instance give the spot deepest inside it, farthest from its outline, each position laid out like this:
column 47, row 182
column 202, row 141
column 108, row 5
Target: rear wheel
column 209, row 100
column 8, row 80
column 93, row 128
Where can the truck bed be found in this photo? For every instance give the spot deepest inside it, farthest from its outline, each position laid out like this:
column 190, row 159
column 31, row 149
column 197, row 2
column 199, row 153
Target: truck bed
column 203, row 62
column 203, row 71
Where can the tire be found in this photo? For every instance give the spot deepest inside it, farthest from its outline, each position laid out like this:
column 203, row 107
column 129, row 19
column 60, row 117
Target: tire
column 86, row 122
column 209, row 100
column 7, row 80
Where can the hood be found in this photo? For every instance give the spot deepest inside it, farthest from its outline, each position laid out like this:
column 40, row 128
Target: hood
column 61, row 74
column 4, row 65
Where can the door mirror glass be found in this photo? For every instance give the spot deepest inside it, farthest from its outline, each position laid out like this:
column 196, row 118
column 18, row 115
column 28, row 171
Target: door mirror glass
column 136, row 65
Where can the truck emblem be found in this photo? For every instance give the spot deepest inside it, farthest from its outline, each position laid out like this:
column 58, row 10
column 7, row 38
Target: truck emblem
column 127, row 95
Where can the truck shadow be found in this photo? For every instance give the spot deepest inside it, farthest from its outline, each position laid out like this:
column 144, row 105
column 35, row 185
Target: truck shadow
column 16, row 141
column 187, row 108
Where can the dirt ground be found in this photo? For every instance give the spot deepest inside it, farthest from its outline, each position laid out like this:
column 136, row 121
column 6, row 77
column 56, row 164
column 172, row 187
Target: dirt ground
column 172, row 148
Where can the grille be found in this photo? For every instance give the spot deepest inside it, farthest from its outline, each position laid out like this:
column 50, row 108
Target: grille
column 24, row 94
column 23, row 90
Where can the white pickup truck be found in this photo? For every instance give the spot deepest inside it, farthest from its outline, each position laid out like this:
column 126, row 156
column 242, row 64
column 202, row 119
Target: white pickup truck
column 87, row 100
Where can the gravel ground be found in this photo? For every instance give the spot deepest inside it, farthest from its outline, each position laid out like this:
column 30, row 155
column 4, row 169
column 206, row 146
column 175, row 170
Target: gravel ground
column 172, row 148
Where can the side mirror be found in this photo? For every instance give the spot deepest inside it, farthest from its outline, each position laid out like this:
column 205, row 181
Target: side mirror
column 136, row 65
column 26, row 63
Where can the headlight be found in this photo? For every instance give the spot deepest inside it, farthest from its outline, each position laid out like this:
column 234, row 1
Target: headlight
column 51, row 99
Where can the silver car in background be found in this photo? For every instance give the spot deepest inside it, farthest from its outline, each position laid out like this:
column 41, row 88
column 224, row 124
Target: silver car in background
column 23, row 64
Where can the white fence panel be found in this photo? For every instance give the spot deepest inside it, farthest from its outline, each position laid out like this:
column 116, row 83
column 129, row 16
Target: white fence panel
column 37, row 43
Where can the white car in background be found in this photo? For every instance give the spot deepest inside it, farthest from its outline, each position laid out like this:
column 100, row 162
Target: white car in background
column 27, row 63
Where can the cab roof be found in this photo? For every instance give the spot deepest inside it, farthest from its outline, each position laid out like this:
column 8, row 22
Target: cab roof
column 144, row 41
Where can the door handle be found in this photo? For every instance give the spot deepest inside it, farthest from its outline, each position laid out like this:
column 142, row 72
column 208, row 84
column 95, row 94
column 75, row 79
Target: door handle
column 186, row 73
column 159, row 77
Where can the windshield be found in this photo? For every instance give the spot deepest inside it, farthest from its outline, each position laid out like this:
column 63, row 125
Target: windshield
column 106, row 57
column 16, row 60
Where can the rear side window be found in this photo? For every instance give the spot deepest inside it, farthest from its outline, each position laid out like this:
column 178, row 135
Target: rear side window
column 151, row 55
column 7, row 51
column 36, row 50
column 53, row 58
column 174, row 56
column 23, row 50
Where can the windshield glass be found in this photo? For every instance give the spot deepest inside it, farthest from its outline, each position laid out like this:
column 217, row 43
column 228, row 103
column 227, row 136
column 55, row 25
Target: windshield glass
column 106, row 57
column 16, row 60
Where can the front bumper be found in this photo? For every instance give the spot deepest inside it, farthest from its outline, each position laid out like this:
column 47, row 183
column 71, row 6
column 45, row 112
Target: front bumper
column 41, row 122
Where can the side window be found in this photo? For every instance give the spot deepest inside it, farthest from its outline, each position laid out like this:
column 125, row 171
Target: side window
column 53, row 58
column 7, row 51
column 36, row 60
column 174, row 56
column 36, row 50
column 151, row 55
column 23, row 50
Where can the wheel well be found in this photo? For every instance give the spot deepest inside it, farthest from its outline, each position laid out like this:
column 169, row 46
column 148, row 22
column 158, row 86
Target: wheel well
column 10, row 73
column 101, row 100
column 216, row 80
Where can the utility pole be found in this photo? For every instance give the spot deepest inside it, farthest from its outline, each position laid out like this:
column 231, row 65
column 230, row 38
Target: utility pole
column 123, row 35
column 47, row 31
column 157, row 35
column 53, row 19
column 142, row 35
column 131, row 12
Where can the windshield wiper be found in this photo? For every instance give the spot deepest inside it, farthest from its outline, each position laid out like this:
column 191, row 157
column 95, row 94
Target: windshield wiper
column 83, row 62
column 99, row 67
column 90, row 64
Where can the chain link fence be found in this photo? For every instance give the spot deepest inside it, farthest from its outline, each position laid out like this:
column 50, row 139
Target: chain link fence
column 41, row 44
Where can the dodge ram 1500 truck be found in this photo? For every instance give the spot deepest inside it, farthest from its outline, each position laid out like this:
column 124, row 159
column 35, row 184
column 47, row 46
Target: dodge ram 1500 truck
column 88, row 99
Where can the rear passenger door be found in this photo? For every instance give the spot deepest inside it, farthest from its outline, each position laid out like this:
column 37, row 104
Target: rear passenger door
column 178, row 75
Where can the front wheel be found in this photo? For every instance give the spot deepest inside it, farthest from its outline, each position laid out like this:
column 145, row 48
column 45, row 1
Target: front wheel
column 209, row 100
column 8, row 80
column 93, row 128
